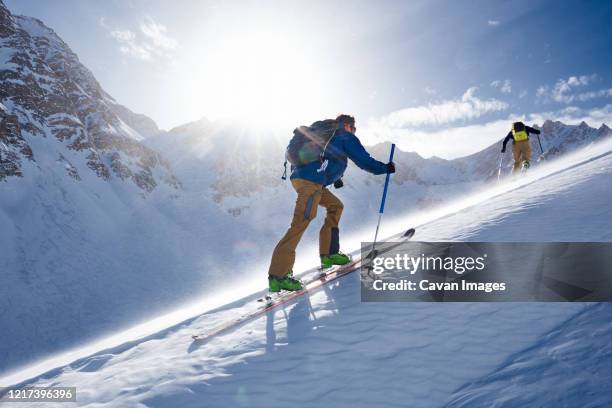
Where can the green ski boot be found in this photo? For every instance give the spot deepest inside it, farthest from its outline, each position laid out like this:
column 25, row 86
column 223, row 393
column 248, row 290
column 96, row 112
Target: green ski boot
column 276, row 284
column 327, row 261
column 525, row 165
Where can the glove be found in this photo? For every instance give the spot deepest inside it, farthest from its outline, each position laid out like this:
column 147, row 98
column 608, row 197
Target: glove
column 338, row 183
column 390, row 168
column 503, row 150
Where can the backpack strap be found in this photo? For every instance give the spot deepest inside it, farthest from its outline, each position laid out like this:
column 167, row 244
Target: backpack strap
column 325, row 147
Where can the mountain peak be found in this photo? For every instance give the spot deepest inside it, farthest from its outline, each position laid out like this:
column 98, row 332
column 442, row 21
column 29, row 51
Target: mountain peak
column 604, row 129
column 36, row 28
column 201, row 125
column 549, row 126
column 7, row 22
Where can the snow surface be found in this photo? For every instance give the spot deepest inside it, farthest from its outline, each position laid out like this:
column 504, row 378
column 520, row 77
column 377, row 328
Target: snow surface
column 329, row 349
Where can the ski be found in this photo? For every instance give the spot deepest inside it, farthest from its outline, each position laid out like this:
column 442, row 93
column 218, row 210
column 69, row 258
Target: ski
column 310, row 285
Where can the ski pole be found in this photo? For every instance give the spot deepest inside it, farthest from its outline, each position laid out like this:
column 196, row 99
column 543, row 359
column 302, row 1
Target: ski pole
column 501, row 158
column 540, row 143
column 382, row 202
column 541, row 150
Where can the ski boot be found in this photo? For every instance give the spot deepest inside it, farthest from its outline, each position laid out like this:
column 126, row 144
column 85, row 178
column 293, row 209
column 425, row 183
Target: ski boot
column 525, row 166
column 276, row 284
column 327, row 261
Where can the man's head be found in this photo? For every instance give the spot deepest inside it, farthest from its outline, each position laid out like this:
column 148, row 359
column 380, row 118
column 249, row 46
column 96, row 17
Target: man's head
column 346, row 122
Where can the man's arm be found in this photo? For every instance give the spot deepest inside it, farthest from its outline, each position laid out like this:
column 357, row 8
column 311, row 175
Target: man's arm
column 358, row 154
column 532, row 130
column 508, row 137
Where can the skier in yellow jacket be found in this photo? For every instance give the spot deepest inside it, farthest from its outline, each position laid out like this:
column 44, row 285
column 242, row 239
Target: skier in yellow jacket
column 521, row 146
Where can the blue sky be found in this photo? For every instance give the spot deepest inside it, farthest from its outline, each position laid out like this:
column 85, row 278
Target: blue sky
column 430, row 69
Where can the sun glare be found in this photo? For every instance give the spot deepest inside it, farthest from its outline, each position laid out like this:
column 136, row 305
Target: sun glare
column 263, row 73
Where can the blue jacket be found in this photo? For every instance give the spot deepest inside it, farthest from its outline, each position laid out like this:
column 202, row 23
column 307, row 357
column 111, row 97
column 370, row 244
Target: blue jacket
column 342, row 146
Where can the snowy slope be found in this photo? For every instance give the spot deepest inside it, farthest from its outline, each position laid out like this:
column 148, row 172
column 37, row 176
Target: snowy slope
column 330, row 349
column 578, row 371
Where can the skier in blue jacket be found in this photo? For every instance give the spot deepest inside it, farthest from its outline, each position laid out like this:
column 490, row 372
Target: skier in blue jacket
column 310, row 182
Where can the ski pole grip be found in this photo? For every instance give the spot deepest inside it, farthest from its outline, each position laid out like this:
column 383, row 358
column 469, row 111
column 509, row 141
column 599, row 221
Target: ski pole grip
column 384, row 197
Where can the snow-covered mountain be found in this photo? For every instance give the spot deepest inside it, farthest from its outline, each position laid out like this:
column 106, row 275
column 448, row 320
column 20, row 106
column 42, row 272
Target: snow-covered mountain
column 87, row 211
column 330, row 349
column 54, row 111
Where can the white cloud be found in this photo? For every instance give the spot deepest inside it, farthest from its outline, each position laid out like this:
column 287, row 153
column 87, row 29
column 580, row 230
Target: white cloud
column 504, row 86
column 430, row 91
column 573, row 115
column 464, row 140
column 567, row 90
column 102, row 22
column 129, row 46
column 493, row 22
column 152, row 41
column 581, row 80
column 447, row 143
column 467, row 107
column 126, row 35
column 156, row 33
column 541, row 91
column 602, row 93
column 523, row 94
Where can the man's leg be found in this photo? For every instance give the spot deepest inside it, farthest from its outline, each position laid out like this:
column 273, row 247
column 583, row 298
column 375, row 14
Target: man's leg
column 329, row 240
column 308, row 197
column 516, row 155
column 526, row 149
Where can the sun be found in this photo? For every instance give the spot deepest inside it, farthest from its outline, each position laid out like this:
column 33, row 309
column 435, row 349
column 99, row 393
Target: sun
column 262, row 72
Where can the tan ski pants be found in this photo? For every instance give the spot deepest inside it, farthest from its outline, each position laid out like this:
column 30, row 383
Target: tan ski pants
column 309, row 196
column 521, row 151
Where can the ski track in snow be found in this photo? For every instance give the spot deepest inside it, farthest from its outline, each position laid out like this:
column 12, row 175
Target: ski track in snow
column 329, row 349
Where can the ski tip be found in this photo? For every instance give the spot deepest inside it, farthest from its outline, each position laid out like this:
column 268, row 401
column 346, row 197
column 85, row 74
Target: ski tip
column 200, row 337
column 266, row 298
column 409, row 233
